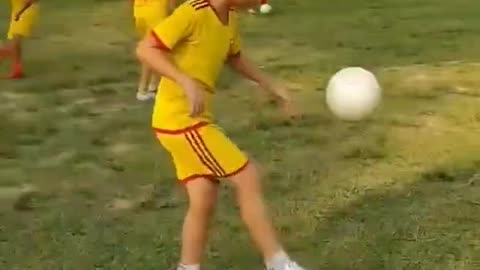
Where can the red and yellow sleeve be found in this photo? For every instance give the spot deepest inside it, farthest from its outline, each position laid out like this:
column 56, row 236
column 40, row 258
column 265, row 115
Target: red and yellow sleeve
column 175, row 28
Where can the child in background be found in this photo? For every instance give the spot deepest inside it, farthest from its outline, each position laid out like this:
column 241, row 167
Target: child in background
column 23, row 16
column 147, row 14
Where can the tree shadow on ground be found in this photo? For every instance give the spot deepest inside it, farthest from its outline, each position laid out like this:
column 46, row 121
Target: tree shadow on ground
column 430, row 224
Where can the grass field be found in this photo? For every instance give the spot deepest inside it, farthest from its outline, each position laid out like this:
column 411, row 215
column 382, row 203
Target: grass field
column 84, row 184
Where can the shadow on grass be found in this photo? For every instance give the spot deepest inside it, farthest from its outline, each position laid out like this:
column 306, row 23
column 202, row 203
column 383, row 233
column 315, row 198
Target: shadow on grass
column 431, row 224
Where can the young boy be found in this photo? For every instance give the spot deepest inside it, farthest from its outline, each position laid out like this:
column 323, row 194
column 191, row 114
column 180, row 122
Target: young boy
column 147, row 14
column 189, row 49
column 24, row 14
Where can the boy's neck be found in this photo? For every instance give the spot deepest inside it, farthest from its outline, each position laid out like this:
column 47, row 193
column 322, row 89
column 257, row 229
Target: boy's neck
column 221, row 6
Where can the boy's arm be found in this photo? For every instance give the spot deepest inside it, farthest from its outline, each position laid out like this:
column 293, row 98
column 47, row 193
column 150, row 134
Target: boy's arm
column 157, row 57
column 154, row 52
column 151, row 52
column 241, row 64
column 246, row 68
column 171, row 5
column 27, row 5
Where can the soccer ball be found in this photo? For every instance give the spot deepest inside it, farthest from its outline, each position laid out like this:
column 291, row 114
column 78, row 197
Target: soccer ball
column 265, row 8
column 353, row 93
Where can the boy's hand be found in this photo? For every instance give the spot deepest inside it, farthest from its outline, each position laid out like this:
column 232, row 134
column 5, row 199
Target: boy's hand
column 290, row 110
column 194, row 91
column 283, row 98
column 242, row 65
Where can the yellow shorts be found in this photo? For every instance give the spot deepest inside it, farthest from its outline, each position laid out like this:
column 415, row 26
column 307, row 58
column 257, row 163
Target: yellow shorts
column 22, row 27
column 145, row 24
column 202, row 150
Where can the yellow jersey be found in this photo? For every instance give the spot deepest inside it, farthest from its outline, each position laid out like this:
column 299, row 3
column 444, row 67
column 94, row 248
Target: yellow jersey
column 199, row 44
column 150, row 8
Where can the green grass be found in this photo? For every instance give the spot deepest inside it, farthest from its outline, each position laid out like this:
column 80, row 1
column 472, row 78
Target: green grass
column 85, row 185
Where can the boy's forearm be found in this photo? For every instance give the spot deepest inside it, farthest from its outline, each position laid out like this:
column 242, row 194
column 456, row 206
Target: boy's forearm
column 159, row 61
column 247, row 69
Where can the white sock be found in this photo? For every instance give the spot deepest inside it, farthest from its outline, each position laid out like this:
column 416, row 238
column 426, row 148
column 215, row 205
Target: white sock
column 152, row 88
column 280, row 258
column 188, row 267
column 142, row 90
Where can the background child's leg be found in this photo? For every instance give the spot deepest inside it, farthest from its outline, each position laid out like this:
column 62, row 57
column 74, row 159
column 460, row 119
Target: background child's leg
column 202, row 195
column 17, row 68
column 5, row 51
column 145, row 73
column 152, row 23
column 142, row 92
column 13, row 50
column 153, row 84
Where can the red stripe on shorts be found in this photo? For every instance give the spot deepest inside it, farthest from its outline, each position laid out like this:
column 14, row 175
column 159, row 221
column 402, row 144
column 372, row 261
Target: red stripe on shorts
column 205, row 161
column 208, row 152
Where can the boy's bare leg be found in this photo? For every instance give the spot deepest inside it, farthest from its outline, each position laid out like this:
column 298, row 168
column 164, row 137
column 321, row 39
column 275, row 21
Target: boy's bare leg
column 202, row 194
column 253, row 211
column 254, row 214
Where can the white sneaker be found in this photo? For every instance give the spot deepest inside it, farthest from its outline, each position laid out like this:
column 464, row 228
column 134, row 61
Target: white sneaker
column 153, row 93
column 290, row 265
column 252, row 11
column 265, row 8
column 145, row 96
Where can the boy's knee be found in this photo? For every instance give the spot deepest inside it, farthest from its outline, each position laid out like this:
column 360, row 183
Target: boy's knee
column 205, row 204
